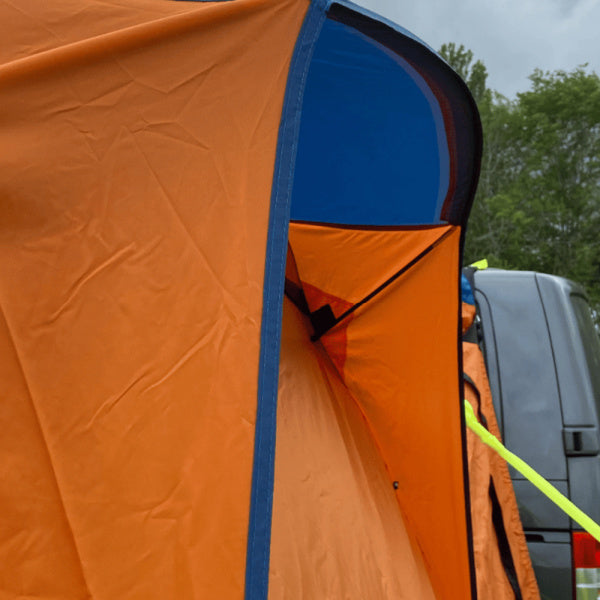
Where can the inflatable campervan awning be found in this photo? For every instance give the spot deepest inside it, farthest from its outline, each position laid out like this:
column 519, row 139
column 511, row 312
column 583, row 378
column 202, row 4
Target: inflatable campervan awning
column 230, row 237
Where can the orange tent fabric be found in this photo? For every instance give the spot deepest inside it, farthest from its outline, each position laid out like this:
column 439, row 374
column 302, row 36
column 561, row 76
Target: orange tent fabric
column 486, row 466
column 332, row 490
column 155, row 154
column 384, row 352
column 131, row 332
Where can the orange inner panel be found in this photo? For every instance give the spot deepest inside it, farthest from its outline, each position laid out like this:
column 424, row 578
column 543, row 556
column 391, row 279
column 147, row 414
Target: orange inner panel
column 400, row 367
column 337, row 530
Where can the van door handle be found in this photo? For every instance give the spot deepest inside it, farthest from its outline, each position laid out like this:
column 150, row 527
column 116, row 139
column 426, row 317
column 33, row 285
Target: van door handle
column 581, row 441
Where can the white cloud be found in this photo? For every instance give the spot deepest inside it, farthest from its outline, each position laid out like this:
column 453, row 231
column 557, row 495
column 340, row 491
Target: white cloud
column 512, row 37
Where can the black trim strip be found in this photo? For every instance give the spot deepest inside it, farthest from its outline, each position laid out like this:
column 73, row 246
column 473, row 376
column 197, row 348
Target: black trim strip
column 480, row 414
column 371, row 227
column 506, row 556
column 322, row 326
column 503, row 545
column 258, row 548
column 463, row 424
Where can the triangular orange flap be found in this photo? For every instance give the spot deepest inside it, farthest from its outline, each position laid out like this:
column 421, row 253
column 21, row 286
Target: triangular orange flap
column 349, row 264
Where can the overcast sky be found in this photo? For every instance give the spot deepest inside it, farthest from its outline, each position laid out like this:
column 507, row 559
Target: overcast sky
column 512, row 37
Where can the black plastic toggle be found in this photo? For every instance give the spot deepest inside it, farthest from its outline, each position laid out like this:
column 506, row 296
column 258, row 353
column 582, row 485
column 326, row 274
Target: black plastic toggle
column 322, row 321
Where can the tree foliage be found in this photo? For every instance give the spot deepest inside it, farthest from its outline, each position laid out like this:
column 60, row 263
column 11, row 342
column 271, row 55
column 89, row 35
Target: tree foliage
column 538, row 202
column 473, row 73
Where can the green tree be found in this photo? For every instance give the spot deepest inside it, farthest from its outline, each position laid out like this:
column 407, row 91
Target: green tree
column 551, row 204
column 538, row 202
column 488, row 233
column 473, row 73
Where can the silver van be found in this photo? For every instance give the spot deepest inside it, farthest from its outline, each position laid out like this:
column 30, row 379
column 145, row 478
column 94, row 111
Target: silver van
column 542, row 352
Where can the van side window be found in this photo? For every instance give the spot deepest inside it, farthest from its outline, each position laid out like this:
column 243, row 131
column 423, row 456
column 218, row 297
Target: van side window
column 591, row 343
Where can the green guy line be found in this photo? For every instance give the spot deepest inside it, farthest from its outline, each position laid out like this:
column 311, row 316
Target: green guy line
column 533, row 476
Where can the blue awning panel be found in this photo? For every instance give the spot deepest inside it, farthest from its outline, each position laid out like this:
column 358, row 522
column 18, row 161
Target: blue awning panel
column 372, row 148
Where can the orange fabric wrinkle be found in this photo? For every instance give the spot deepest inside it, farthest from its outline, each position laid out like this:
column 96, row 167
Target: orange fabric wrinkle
column 33, row 27
column 31, row 495
column 103, row 31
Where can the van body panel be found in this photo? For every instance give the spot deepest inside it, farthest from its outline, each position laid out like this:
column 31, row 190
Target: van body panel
column 573, row 375
column 536, row 510
column 543, row 357
column 584, row 475
column 488, row 346
column 552, row 567
column 577, row 361
column 524, row 370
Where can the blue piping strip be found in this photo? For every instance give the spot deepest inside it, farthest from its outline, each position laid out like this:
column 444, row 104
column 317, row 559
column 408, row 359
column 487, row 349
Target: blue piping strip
column 261, row 503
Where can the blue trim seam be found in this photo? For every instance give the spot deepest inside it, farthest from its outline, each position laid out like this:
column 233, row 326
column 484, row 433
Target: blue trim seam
column 261, row 502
